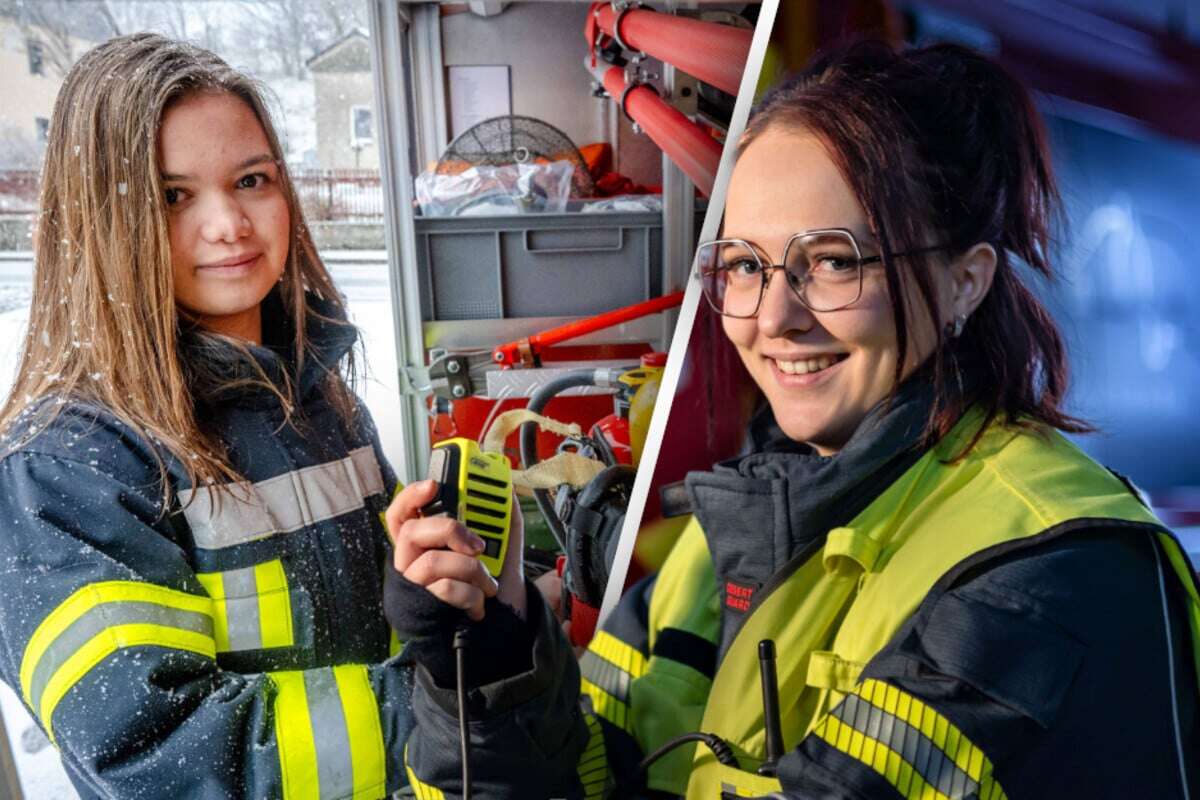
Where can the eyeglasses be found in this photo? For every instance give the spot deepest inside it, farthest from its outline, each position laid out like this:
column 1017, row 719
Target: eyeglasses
column 823, row 267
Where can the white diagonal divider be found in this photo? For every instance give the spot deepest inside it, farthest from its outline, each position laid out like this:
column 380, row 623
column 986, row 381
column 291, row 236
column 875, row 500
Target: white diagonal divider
column 687, row 314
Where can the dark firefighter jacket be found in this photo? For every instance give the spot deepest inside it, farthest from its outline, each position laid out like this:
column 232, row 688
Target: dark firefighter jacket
column 231, row 649
column 1061, row 666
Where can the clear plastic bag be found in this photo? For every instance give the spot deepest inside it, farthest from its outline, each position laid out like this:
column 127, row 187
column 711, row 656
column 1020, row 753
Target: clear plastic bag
column 488, row 190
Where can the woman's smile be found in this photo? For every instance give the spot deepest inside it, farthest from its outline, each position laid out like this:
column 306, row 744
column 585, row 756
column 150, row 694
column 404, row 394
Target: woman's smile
column 233, row 267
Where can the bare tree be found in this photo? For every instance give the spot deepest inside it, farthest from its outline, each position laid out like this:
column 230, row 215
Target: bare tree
column 296, row 30
column 44, row 23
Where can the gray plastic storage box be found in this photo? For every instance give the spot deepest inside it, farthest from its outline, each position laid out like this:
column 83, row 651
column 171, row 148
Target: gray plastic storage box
column 537, row 265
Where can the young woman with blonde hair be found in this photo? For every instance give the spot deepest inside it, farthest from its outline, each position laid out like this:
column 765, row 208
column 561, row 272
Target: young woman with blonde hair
column 190, row 490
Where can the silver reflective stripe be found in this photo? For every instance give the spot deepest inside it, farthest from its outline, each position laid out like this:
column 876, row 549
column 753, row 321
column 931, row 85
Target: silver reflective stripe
column 287, row 502
column 935, row 766
column 96, row 620
column 331, row 737
column 241, row 609
column 605, row 675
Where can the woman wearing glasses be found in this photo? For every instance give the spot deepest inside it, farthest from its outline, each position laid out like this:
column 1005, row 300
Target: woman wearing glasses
column 934, row 591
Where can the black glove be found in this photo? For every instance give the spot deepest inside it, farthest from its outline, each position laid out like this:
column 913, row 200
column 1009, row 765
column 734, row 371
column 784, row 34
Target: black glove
column 499, row 646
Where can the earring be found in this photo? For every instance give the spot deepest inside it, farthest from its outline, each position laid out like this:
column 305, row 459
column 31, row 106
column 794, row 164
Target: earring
column 954, row 328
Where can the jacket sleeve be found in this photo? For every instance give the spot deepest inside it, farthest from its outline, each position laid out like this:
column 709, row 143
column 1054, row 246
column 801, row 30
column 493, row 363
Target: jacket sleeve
column 108, row 637
column 529, row 735
column 1061, row 670
column 563, row 728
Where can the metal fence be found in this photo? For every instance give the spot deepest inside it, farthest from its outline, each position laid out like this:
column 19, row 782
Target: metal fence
column 19, row 191
column 339, row 194
column 325, row 194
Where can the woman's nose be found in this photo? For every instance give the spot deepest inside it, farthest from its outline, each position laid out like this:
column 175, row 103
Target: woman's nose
column 224, row 220
column 781, row 311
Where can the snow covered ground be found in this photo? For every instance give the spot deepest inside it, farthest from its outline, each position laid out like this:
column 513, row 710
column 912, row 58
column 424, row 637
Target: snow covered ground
column 364, row 282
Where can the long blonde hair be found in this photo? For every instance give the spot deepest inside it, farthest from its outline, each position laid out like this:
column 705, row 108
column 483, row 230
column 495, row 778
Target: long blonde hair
column 103, row 325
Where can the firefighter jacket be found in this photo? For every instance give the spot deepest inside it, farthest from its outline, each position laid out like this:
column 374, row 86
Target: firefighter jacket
column 993, row 626
column 234, row 646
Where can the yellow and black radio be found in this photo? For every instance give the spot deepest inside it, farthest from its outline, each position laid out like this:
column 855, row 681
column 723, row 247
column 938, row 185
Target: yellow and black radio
column 475, row 488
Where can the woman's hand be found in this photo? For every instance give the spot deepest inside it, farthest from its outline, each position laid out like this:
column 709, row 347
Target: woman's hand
column 441, row 555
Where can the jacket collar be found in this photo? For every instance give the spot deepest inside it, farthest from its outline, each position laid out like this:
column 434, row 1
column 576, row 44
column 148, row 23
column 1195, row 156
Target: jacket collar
column 760, row 511
column 220, row 372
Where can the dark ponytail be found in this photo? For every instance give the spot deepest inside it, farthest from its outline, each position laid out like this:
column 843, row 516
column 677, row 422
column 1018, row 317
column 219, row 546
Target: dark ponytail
column 942, row 146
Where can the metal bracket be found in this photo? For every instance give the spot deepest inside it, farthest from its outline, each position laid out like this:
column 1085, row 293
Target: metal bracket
column 632, row 83
column 454, row 376
column 414, row 381
column 622, row 7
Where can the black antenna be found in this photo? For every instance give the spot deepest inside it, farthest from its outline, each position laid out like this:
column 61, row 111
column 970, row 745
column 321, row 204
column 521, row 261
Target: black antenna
column 770, row 691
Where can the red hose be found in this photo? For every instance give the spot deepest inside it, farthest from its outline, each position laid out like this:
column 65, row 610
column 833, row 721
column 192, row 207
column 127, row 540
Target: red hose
column 713, row 53
column 684, row 142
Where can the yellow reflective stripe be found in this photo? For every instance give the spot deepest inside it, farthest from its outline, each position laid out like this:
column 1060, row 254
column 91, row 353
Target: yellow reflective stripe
column 620, row 655
column 361, row 710
column 294, row 736
column 593, row 763
column 607, row 706
column 92, row 595
column 99, row 619
column 252, row 607
column 274, row 605
column 394, row 643
column 329, row 736
column 211, row 581
column 608, row 667
column 918, row 751
column 107, row 643
column 422, row 790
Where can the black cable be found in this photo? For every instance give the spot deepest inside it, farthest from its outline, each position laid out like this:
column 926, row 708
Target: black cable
column 721, row 750
column 464, row 731
column 529, row 430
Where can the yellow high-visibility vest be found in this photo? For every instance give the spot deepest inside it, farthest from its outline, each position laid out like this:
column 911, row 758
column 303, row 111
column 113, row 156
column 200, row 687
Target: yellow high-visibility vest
column 843, row 604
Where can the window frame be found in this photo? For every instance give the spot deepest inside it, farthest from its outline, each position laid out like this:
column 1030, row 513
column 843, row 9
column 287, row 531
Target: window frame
column 36, row 53
column 355, row 139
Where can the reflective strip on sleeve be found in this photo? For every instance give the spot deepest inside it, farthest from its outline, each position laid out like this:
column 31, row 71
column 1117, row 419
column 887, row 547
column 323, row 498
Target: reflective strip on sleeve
column 422, row 790
column 99, row 619
column 247, row 512
column 918, row 751
column 252, row 607
column 330, row 739
column 608, row 668
column 593, row 764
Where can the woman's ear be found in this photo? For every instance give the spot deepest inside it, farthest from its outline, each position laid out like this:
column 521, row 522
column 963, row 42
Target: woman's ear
column 971, row 275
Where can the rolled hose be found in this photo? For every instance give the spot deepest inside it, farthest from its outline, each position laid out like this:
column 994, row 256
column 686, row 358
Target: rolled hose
column 537, row 403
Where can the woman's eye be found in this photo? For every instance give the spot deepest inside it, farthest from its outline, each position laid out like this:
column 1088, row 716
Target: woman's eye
column 172, row 196
column 744, row 266
column 832, row 263
column 252, row 181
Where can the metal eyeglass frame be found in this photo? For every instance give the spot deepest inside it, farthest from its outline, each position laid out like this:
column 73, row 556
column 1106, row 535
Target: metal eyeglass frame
column 767, row 269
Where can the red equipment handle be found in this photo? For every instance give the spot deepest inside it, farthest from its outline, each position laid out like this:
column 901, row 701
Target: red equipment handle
column 511, row 354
